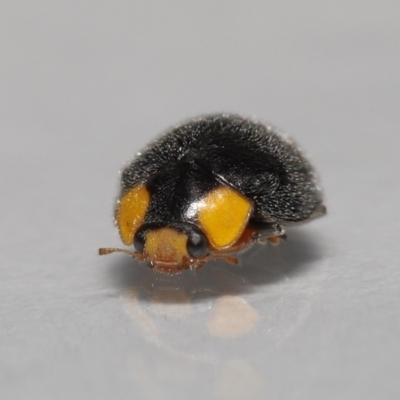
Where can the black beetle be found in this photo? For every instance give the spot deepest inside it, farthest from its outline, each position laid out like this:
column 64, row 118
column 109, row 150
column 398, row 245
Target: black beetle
column 210, row 187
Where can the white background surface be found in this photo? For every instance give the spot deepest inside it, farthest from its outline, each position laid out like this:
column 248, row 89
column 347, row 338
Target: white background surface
column 84, row 85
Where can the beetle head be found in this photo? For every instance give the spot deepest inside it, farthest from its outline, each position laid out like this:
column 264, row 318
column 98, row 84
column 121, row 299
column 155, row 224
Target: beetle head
column 173, row 247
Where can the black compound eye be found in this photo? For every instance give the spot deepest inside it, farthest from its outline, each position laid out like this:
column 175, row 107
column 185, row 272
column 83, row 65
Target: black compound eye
column 197, row 245
column 140, row 240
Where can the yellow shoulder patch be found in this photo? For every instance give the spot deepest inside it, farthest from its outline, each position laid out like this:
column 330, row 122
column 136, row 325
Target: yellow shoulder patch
column 223, row 214
column 131, row 210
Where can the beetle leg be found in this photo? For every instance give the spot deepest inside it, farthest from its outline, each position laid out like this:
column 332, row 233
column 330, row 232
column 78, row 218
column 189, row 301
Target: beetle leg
column 229, row 259
column 269, row 233
column 274, row 239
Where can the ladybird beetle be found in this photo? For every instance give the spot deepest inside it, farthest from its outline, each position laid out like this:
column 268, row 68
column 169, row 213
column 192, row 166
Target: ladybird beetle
column 210, row 187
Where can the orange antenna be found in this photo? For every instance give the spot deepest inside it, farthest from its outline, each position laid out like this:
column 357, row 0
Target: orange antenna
column 103, row 251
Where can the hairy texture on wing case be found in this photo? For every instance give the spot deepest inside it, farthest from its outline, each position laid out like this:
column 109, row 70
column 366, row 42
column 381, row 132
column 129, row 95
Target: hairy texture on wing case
column 251, row 157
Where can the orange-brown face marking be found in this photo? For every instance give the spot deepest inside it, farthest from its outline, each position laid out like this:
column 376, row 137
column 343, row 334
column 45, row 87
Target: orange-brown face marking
column 223, row 214
column 131, row 211
column 166, row 246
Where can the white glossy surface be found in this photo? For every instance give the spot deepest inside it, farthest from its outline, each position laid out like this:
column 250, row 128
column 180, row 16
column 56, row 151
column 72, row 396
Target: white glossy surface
column 85, row 85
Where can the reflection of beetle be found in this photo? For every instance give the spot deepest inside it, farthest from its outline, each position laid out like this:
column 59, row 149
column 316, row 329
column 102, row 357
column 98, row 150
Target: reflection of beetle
column 213, row 186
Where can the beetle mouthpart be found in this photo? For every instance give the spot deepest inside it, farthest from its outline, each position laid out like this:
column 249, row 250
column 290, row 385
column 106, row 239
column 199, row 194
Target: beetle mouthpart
column 187, row 263
column 166, row 268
